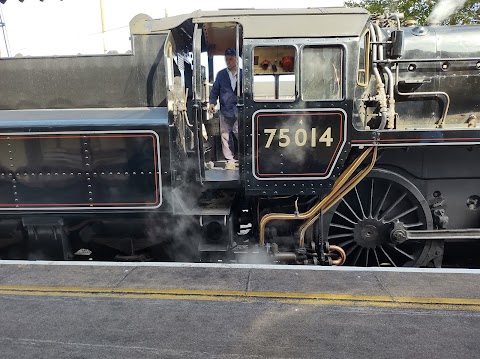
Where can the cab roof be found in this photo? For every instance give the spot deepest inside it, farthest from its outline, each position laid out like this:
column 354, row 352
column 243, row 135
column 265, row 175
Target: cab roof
column 266, row 23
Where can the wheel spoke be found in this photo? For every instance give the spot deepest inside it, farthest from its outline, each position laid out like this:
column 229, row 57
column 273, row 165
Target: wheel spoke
column 343, row 244
column 360, row 203
column 403, row 214
column 366, row 260
column 345, row 218
column 343, row 235
column 411, row 225
column 371, row 204
column 394, row 204
column 386, row 254
column 380, row 205
column 351, row 210
column 404, row 253
column 336, row 225
column 351, row 250
column 357, row 256
column 376, row 256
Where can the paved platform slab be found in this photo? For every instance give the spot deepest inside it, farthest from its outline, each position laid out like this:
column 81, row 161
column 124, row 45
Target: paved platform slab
column 47, row 275
column 434, row 286
column 142, row 310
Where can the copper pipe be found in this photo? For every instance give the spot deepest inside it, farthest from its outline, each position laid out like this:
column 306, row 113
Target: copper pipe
column 282, row 256
column 341, row 254
column 351, row 169
column 340, row 193
column 285, row 256
column 312, row 211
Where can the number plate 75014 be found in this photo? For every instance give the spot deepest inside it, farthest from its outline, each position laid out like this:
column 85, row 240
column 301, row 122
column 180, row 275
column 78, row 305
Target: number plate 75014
column 297, row 144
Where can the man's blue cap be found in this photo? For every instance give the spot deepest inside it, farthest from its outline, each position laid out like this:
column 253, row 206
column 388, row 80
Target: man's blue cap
column 230, row 51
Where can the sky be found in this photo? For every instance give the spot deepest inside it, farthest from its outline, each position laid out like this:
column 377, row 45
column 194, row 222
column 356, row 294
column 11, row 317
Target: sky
column 71, row 27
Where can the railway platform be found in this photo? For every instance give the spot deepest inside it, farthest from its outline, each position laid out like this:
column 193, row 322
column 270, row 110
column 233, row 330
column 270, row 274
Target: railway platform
column 169, row 310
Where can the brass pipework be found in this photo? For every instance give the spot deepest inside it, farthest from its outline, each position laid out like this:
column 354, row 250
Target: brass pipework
column 340, row 253
column 320, row 204
column 340, row 193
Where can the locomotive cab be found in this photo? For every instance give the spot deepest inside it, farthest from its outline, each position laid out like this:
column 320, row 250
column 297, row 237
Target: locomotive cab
column 294, row 106
column 293, row 102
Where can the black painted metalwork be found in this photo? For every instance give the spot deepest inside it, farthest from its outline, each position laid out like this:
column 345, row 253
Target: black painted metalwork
column 56, row 171
column 109, row 150
column 92, row 81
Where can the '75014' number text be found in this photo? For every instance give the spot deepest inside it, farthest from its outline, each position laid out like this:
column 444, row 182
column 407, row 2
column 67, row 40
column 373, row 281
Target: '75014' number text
column 300, row 138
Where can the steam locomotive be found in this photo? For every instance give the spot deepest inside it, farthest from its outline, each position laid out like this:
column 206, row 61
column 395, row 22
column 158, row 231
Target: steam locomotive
column 358, row 143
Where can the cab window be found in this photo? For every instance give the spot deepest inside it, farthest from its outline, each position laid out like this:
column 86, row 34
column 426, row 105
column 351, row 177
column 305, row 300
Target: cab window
column 274, row 73
column 363, row 60
column 321, row 73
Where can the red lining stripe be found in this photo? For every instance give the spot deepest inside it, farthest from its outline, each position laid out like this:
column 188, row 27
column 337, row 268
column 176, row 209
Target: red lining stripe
column 14, row 137
column 418, row 140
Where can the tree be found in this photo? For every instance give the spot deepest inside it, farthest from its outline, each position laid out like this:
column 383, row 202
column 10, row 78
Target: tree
column 419, row 10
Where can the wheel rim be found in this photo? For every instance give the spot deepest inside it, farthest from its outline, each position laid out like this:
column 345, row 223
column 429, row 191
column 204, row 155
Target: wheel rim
column 362, row 221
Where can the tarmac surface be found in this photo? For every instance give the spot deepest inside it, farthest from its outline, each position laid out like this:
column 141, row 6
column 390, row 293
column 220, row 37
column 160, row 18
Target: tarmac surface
column 121, row 310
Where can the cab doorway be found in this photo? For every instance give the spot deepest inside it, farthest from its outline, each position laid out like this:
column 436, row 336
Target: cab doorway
column 211, row 40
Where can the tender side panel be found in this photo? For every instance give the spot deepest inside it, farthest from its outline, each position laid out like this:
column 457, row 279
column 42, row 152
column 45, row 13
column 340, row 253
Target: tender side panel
column 54, row 171
column 95, row 81
column 299, row 144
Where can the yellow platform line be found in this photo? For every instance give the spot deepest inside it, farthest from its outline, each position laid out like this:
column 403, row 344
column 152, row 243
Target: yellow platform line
column 436, row 303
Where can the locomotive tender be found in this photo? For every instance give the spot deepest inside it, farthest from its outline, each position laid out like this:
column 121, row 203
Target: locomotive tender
column 358, row 143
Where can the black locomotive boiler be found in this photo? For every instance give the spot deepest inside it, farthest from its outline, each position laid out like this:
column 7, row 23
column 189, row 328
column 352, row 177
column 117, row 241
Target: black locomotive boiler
column 358, row 143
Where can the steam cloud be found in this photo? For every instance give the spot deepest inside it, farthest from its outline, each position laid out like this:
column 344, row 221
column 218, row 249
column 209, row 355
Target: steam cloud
column 444, row 9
